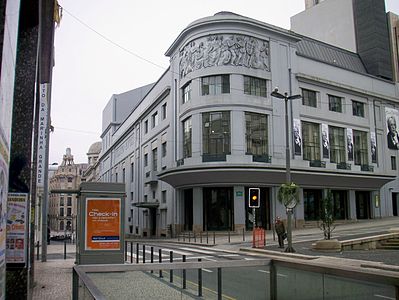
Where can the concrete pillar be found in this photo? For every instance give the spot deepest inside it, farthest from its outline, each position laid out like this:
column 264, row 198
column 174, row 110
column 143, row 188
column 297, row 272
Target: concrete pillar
column 352, row 205
column 239, row 208
column 237, row 133
column 198, row 210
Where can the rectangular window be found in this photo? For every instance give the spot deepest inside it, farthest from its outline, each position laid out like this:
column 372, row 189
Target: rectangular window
column 216, row 134
column 155, row 159
column 146, row 160
column 360, row 149
column 132, row 172
column 311, row 141
column 61, row 211
column 154, row 120
column 255, row 86
column 186, row 95
column 145, row 126
column 358, row 108
column 164, row 111
column 163, row 196
column 116, row 177
column 153, row 194
column 256, row 134
column 215, row 85
column 309, row 98
column 61, row 201
column 334, row 103
column 123, row 175
column 393, row 162
column 164, row 149
column 337, row 144
column 70, row 179
column 69, row 201
column 187, row 137
column 145, row 198
column 131, row 196
column 69, row 211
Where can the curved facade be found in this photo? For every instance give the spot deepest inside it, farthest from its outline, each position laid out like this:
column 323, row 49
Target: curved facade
column 209, row 130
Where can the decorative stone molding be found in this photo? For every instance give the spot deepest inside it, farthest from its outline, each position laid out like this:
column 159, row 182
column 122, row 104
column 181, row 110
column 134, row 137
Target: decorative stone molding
column 224, row 50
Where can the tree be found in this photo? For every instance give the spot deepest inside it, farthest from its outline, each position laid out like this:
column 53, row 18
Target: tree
column 326, row 215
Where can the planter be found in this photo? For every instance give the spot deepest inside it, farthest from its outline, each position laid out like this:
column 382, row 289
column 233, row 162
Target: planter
column 327, row 246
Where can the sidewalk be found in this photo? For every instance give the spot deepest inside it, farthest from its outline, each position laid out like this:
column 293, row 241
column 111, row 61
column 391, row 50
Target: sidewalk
column 54, row 278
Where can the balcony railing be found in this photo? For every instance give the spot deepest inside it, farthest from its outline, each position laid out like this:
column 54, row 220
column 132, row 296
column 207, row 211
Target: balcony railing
column 262, row 158
column 213, row 157
column 344, row 166
column 367, row 168
column 317, row 163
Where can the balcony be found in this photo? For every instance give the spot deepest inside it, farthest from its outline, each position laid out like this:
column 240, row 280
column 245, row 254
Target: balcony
column 344, row 166
column 317, row 164
column 262, row 158
column 180, row 162
column 367, row 168
column 151, row 177
column 213, row 157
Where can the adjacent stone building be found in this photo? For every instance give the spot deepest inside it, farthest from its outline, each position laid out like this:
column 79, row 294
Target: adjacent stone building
column 93, row 170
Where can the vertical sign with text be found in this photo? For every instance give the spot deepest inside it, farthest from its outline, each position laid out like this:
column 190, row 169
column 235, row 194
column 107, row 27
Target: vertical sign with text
column 103, row 222
column 42, row 134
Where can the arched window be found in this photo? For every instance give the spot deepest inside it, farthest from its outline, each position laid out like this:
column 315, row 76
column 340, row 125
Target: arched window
column 62, row 225
column 68, row 225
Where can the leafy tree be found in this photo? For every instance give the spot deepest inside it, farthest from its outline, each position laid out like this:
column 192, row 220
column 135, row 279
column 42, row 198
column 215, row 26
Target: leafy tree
column 327, row 216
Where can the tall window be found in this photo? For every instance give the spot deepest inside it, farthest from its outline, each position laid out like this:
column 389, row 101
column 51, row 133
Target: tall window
column 145, row 126
column 164, row 111
column 123, row 175
column 61, row 211
column 309, row 98
column 155, row 159
column 334, row 103
column 163, row 197
column 164, row 149
column 69, row 201
column 360, row 147
column 116, row 177
column 146, row 160
column 69, row 211
column 255, row 86
column 337, row 144
column 216, row 133
column 186, row 95
column 154, row 120
column 311, row 141
column 61, row 201
column 187, row 137
column 393, row 162
column 256, row 134
column 215, row 85
column 132, row 172
column 358, row 108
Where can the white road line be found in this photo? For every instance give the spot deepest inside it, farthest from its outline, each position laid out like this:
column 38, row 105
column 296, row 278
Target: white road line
column 229, row 255
column 206, row 270
column 197, row 250
column 210, row 259
column 247, row 258
column 264, row 271
column 383, row 297
column 177, row 251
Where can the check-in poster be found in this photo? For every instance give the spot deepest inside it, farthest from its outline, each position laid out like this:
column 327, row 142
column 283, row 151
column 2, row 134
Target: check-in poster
column 103, row 220
column 16, row 244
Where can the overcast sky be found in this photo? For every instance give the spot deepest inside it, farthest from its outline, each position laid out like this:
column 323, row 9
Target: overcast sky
column 90, row 66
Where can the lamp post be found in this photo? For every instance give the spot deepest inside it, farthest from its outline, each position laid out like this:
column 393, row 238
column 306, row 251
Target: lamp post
column 290, row 204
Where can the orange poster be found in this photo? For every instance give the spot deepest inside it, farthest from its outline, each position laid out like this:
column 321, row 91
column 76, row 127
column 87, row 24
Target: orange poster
column 103, row 223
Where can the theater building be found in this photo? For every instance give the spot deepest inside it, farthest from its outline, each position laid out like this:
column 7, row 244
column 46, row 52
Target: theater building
column 190, row 146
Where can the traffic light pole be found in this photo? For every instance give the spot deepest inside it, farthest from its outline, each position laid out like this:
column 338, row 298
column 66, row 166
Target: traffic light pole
column 253, row 214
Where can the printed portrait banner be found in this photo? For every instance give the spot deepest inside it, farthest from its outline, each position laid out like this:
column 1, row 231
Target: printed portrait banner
column 373, row 145
column 17, row 228
column 297, row 135
column 392, row 121
column 325, row 141
column 349, row 142
column 103, row 221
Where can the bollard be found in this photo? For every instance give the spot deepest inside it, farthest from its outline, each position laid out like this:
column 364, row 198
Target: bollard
column 131, row 252
column 143, row 254
column 195, row 238
column 37, row 245
column 207, row 235
column 199, row 280
column 64, row 249
column 137, row 253
column 229, row 236
column 184, row 274
column 201, row 237
column 184, row 237
column 264, row 237
column 219, row 283
column 178, row 237
column 171, row 271
column 189, row 237
column 160, row 261
column 152, row 257
column 214, row 238
column 243, row 234
column 125, row 250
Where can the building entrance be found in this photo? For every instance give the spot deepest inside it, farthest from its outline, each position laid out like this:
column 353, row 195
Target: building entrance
column 312, row 204
column 263, row 218
column 188, row 209
column 395, row 199
column 218, row 208
column 363, row 209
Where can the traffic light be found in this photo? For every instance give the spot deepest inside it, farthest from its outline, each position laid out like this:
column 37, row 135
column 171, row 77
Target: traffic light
column 254, row 198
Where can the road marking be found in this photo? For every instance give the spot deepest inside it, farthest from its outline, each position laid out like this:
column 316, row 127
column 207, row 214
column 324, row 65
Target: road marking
column 247, row 258
column 197, row 250
column 206, row 270
column 229, row 255
column 176, row 251
column 384, row 297
column 264, row 271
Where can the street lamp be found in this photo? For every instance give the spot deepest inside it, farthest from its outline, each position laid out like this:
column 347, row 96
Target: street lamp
column 290, row 205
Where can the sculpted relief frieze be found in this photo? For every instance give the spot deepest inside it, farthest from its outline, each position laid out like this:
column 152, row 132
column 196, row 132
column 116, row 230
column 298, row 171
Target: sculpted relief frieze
column 224, row 50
